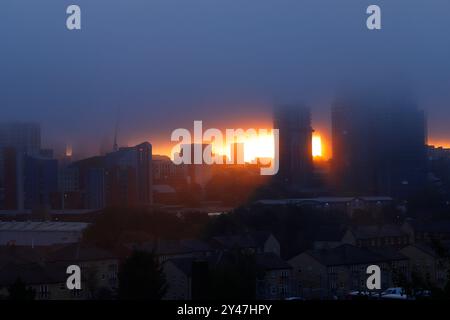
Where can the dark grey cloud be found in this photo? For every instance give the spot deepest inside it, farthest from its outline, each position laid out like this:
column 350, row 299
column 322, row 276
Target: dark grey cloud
column 164, row 63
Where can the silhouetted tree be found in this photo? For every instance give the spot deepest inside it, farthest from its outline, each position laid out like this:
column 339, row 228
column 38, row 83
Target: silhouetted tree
column 104, row 294
column 91, row 279
column 19, row 291
column 118, row 226
column 234, row 278
column 141, row 278
column 294, row 227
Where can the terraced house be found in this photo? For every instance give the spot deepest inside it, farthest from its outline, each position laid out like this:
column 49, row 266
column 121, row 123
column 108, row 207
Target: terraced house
column 334, row 272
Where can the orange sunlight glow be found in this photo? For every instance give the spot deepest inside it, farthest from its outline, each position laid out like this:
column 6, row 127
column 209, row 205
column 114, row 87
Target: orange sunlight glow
column 263, row 146
column 317, row 146
column 260, row 146
column 439, row 143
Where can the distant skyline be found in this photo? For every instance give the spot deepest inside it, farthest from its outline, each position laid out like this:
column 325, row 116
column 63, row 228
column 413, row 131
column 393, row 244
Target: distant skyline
column 166, row 63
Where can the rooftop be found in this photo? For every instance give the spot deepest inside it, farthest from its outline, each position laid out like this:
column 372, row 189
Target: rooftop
column 173, row 247
column 20, row 255
column 270, row 261
column 12, row 213
column 235, row 241
column 186, row 264
column 442, row 226
column 439, row 249
column 78, row 252
column 32, row 273
column 369, row 232
column 350, row 255
column 329, row 233
column 47, row 226
column 322, row 200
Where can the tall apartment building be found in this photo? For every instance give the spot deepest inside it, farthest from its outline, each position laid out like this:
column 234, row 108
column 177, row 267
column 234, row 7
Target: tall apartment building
column 295, row 145
column 379, row 146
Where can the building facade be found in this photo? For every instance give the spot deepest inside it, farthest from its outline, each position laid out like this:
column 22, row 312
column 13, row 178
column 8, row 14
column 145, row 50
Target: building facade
column 295, row 145
column 379, row 147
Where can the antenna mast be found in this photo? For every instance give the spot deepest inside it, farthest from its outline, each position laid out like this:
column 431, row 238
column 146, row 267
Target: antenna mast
column 116, row 132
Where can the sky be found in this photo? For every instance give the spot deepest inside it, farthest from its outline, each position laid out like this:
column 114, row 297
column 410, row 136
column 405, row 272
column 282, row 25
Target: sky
column 158, row 65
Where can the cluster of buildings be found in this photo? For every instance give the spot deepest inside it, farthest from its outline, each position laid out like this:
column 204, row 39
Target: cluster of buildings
column 189, row 264
column 122, row 177
column 439, row 159
column 28, row 173
column 43, row 271
column 378, row 148
column 185, row 264
column 336, row 264
column 379, row 156
column 32, row 178
column 334, row 267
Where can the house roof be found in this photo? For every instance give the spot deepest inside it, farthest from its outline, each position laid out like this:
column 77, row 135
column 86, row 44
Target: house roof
column 79, row 252
column 347, row 254
column 195, row 245
column 368, row 232
column 322, row 200
column 329, row 233
column 270, row 261
column 260, row 237
column 32, row 273
column 265, row 261
column 171, row 247
column 47, row 226
column 236, row 241
column 388, row 253
column 375, row 198
column 20, row 255
column 432, row 226
column 185, row 264
column 434, row 251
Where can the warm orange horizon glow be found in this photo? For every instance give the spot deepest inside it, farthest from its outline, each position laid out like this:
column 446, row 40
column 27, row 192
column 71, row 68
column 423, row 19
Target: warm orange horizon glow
column 264, row 147
column 317, row 146
column 438, row 143
column 260, row 146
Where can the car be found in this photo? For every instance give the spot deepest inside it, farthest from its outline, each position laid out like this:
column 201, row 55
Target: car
column 422, row 294
column 362, row 295
column 294, row 299
column 394, row 294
